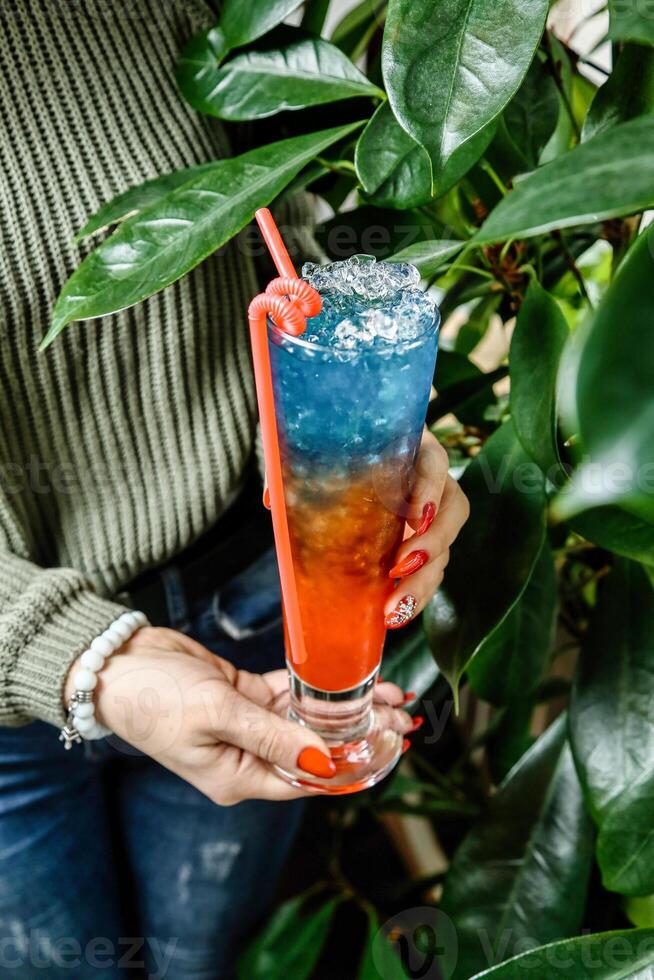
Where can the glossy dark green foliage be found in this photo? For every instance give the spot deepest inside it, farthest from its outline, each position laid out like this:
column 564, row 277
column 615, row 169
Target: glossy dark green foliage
column 393, row 169
column 495, row 552
column 242, row 23
column 521, row 873
column 536, row 347
column 170, row 237
column 353, row 33
column 305, row 71
column 139, row 197
column 375, row 231
column 463, row 389
column 290, row 943
column 614, row 392
column 512, row 660
column 627, row 954
column 612, row 727
column 631, row 21
column 450, row 68
column 627, row 93
column 618, row 531
column 584, row 185
column 532, row 114
column 429, row 256
column 408, row 660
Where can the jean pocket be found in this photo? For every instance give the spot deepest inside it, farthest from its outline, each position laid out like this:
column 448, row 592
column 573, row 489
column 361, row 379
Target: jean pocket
column 249, row 606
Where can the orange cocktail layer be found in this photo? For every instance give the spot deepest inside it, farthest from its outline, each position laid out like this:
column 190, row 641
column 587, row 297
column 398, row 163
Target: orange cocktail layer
column 344, row 537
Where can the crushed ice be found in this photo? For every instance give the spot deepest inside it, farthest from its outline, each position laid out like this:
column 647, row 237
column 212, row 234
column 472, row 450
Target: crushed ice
column 368, row 303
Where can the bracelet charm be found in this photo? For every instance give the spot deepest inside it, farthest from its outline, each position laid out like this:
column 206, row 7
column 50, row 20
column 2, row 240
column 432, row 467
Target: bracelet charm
column 81, row 724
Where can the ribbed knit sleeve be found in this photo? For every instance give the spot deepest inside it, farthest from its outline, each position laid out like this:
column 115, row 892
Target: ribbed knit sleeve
column 49, row 617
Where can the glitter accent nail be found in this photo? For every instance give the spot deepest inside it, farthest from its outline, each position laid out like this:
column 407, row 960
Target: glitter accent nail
column 403, row 612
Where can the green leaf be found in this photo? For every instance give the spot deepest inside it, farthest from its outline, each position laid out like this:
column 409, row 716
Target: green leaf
column 585, row 185
column 137, row 198
column 314, row 16
column 640, row 910
column 536, row 347
column 628, row 91
column 494, row 554
column 510, row 737
column 172, row 236
column 379, row 960
column 612, row 706
column 618, row 531
column 429, row 256
column 290, row 943
column 565, row 131
column 511, row 662
column 531, row 116
column 625, row 845
column 614, row 393
column 521, row 873
column 631, row 21
column 627, row 954
column 353, row 33
column 393, row 169
column 462, row 389
column 408, row 660
column 373, row 231
column 473, row 331
column 451, row 67
column 305, row 72
column 242, row 22
column 612, row 727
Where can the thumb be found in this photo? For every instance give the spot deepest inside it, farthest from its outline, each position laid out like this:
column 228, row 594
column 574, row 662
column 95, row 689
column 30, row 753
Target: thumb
column 272, row 738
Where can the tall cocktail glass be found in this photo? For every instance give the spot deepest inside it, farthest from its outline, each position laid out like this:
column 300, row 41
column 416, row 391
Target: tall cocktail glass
column 351, row 395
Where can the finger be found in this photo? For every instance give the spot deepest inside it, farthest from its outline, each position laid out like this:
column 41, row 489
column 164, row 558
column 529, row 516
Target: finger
column 416, row 552
column 411, row 595
column 261, row 688
column 388, row 692
column 393, row 719
column 430, row 475
column 254, row 728
column 234, row 775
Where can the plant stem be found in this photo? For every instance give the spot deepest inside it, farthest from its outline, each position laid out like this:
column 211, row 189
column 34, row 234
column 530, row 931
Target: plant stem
column 561, row 88
column 343, row 167
column 487, row 168
column 572, row 265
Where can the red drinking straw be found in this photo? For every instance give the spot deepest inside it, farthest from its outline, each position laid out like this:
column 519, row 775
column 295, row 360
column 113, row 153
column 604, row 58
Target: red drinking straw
column 288, row 301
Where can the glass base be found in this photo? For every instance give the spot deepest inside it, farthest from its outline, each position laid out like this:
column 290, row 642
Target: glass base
column 361, row 748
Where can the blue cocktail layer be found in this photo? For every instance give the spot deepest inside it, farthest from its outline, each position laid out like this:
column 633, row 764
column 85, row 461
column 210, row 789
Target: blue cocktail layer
column 354, row 387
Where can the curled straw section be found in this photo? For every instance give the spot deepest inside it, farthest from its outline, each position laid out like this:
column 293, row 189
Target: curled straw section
column 288, row 301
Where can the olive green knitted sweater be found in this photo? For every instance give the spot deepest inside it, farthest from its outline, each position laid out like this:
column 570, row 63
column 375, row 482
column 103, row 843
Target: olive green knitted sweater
column 123, row 441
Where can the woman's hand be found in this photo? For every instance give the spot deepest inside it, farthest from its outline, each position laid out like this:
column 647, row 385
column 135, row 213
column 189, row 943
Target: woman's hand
column 210, row 723
column 438, row 511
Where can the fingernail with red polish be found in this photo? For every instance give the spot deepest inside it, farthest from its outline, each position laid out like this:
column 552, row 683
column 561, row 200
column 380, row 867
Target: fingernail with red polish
column 409, row 696
column 428, row 515
column 409, row 565
column 417, row 723
column 316, row 763
column 266, row 498
column 406, row 744
column 403, row 612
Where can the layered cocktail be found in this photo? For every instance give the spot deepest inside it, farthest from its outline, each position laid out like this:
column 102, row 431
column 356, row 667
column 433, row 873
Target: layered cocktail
column 351, row 395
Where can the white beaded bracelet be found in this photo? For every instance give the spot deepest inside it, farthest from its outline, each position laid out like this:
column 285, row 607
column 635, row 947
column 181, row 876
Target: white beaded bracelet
column 80, row 719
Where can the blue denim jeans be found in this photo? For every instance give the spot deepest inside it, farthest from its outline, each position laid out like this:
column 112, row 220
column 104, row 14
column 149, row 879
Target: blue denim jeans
column 110, row 865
